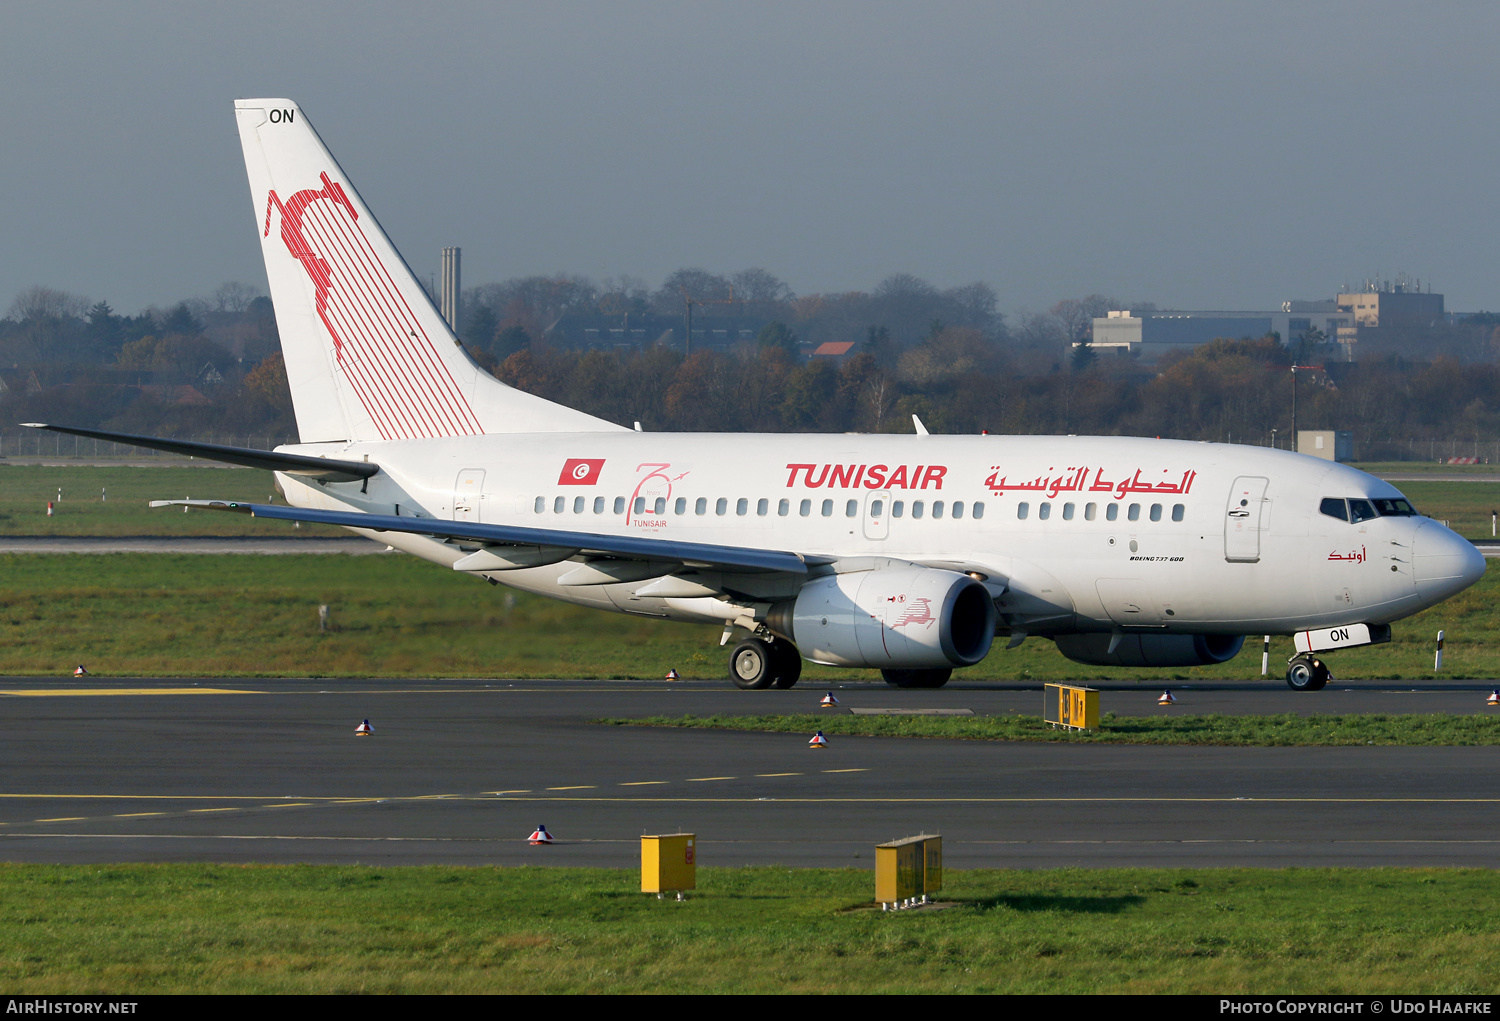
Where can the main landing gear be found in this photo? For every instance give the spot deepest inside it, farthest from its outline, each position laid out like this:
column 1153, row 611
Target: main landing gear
column 1307, row 673
column 756, row 664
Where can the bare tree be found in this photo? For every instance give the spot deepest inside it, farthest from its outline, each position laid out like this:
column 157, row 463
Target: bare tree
column 233, row 296
column 38, row 302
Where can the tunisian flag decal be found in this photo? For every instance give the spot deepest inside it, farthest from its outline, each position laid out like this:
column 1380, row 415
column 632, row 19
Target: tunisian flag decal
column 580, row 471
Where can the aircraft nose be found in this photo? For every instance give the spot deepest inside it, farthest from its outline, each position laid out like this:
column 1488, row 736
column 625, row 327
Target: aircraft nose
column 1443, row 562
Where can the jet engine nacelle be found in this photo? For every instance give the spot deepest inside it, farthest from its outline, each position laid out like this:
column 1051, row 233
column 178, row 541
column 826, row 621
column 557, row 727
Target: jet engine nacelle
column 899, row 617
column 1150, row 650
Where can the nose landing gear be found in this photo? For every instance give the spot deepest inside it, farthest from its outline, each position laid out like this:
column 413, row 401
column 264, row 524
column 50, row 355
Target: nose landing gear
column 1307, row 673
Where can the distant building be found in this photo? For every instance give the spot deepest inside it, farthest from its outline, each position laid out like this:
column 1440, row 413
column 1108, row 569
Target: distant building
column 1150, row 335
column 642, row 329
column 837, row 350
column 1345, row 322
column 1329, row 444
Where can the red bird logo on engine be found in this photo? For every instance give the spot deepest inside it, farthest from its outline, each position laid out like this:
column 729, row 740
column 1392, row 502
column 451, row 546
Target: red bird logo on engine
column 918, row 611
column 580, row 471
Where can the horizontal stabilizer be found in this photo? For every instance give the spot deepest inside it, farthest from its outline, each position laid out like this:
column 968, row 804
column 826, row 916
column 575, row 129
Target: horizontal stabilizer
column 326, row 469
column 630, row 547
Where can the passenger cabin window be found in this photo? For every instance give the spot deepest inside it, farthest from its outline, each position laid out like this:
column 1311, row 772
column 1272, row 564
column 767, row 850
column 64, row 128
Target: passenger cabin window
column 1112, row 512
column 541, row 504
column 660, row 507
column 721, row 506
column 958, row 508
column 783, row 508
column 1334, row 508
column 1360, row 510
column 898, row 508
column 559, row 504
column 917, row 508
column 640, row 505
column 1043, row 511
column 804, row 508
column 598, row 505
column 577, row 505
column 1177, row 511
column 851, row 508
column 828, row 508
column 700, row 505
column 1090, row 510
column 1021, row 511
column 937, row 508
column 1134, row 512
column 877, row 508
column 619, row 505
column 742, row 506
column 762, row 507
column 1067, row 512
column 679, row 506
column 979, row 509
column 1156, row 512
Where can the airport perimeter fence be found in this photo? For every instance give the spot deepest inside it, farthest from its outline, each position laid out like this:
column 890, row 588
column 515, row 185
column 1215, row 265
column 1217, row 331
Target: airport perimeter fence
column 21, row 446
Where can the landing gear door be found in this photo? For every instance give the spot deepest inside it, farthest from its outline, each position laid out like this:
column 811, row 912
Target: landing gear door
column 467, row 492
column 877, row 515
column 1243, row 519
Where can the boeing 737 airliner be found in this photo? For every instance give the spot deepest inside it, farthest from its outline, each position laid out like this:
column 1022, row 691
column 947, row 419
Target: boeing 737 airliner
column 908, row 554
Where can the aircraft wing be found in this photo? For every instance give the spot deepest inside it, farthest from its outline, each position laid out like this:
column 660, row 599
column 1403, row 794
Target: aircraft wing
column 628, row 547
column 326, row 468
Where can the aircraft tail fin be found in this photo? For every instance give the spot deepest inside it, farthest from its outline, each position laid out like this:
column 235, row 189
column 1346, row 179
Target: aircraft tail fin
column 367, row 355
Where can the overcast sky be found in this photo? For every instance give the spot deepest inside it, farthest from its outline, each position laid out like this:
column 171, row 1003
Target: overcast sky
column 1193, row 154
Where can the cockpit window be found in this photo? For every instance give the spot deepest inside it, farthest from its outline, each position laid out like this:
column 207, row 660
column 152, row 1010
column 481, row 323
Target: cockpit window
column 1360, row 510
column 1334, row 508
column 1394, row 508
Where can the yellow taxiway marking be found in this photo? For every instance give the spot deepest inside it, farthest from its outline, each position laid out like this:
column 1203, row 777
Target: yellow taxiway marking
column 286, row 804
column 700, row 779
column 232, row 808
column 65, row 818
column 45, row 692
column 846, row 770
column 584, row 787
column 136, row 815
column 641, row 783
column 527, row 791
column 778, row 774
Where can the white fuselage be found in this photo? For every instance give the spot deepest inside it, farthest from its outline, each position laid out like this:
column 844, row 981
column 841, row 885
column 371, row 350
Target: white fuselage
column 1072, row 534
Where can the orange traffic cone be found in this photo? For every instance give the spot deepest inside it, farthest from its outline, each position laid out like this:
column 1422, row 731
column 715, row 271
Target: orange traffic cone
column 1166, row 698
column 672, row 675
column 364, row 730
column 539, row 836
column 818, row 741
column 79, row 671
column 1494, row 698
column 828, row 701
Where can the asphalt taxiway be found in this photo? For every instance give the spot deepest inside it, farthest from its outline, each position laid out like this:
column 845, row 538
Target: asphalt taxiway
column 462, row 771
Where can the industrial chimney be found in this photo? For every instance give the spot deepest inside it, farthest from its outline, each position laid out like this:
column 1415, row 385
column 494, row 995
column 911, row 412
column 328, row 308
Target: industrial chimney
column 451, row 285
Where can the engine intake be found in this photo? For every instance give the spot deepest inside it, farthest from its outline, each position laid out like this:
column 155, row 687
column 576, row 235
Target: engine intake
column 893, row 617
column 1150, row 650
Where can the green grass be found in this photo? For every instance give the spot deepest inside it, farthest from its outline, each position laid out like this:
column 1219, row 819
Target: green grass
column 26, row 489
column 298, row 929
column 125, row 614
column 1464, row 506
column 1277, row 730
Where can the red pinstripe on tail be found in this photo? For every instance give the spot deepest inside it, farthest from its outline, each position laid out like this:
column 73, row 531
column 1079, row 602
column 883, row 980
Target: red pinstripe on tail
column 379, row 343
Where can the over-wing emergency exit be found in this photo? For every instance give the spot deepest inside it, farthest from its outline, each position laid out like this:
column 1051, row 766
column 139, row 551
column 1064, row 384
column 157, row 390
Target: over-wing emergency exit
column 908, row 554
